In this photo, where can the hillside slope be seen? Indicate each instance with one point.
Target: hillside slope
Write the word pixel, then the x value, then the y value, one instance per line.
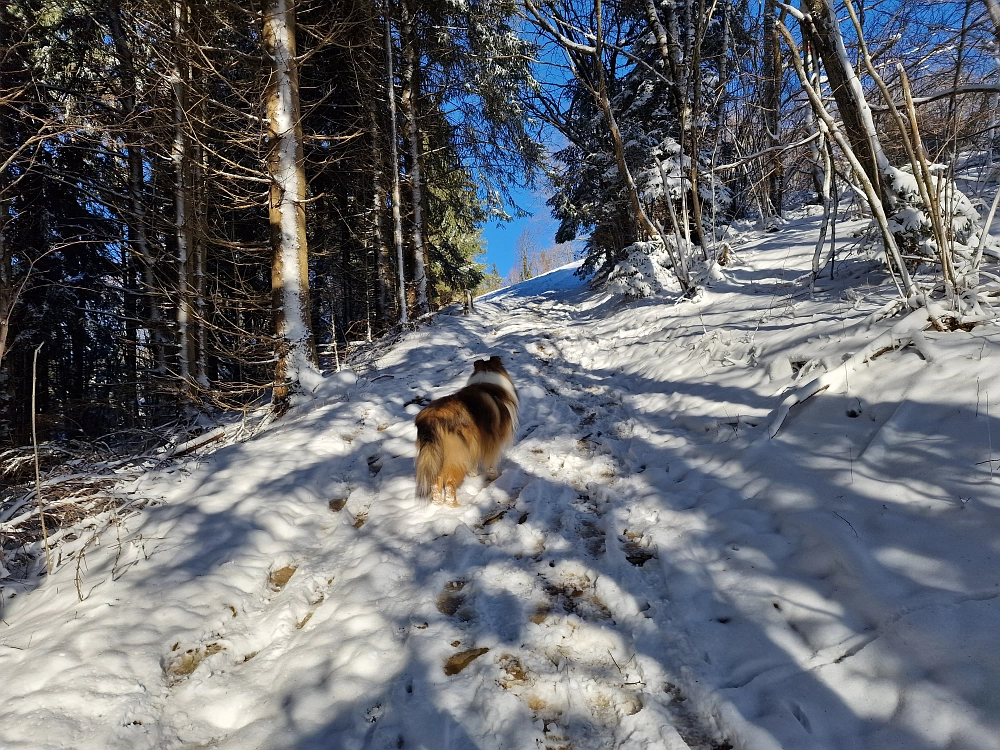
pixel 649 571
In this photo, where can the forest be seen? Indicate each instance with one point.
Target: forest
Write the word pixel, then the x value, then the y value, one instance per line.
pixel 202 203
pixel 746 494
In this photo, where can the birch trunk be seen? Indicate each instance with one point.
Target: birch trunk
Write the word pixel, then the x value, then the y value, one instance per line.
pixel 397 221
pixel 8 293
pixel 181 157
pixel 295 354
pixel 830 129
pixel 411 90
pixel 200 303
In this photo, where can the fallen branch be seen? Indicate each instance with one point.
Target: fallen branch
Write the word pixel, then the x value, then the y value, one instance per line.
pixel 204 439
pixel 899 335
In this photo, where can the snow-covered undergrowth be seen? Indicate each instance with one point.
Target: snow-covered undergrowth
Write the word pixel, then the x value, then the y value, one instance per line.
pixel 645 271
pixel 649 571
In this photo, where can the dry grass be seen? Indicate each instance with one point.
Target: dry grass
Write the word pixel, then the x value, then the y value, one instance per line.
pixel 461 660
pixel 183 663
pixel 279 578
pixel 81 500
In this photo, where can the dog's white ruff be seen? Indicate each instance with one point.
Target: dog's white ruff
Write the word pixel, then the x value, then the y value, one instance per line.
pixel 494 378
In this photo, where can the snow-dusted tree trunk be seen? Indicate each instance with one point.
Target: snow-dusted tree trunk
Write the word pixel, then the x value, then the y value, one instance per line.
pixel 684 68
pixel 8 292
pixel 830 129
pixel 771 107
pixel 859 125
pixel 295 353
pixel 698 23
pixel 993 8
pixel 411 90
pixel 183 225
pixel 604 102
pixel 199 343
pixel 397 221
pixel 670 52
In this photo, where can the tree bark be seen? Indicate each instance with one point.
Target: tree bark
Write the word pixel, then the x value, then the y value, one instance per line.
pixel 295 351
pixel 138 253
pixel 825 37
pixel 411 92
pixel 183 224
pixel 8 291
pixel 378 247
pixel 397 221
pixel 604 102
pixel 771 106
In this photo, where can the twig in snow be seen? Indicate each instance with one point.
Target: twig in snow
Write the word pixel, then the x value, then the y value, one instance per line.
pixel 900 334
pixel 989 433
pixel 79 560
pixel 847 522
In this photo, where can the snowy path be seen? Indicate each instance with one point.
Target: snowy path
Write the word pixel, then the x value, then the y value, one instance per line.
pixel 646 573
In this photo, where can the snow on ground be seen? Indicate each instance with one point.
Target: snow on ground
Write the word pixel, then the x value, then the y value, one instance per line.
pixel 647 572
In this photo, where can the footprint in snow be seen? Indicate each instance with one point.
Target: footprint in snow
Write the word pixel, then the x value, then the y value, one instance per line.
pixel 451 599
pixel 637 547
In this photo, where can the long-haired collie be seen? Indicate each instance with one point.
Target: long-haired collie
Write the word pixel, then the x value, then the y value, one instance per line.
pixel 457 433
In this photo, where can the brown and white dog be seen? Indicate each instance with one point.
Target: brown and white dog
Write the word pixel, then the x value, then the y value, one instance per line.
pixel 457 433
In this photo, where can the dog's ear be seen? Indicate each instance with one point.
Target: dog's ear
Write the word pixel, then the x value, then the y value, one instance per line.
pixel 495 359
pixel 479 365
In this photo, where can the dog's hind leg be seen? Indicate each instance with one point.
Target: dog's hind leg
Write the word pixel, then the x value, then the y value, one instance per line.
pixel 437 493
pixel 490 464
pixel 452 475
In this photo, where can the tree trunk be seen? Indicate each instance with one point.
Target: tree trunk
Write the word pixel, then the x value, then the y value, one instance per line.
pixel 199 344
pixel 295 351
pixel 183 224
pixel 604 102
pixel 694 137
pixel 8 291
pixel 820 156
pixel 411 91
pixel 397 220
pixel 993 7
pixel 859 127
pixel 379 249
pixel 138 253
pixel 669 51
pixel 771 107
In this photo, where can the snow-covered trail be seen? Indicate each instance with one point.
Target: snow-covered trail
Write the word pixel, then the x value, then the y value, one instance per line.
pixel 647 572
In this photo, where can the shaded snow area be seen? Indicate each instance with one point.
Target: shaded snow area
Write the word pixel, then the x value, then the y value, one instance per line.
pixel 649 571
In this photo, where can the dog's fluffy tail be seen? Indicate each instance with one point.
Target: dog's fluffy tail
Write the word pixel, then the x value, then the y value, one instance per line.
pixel 430 458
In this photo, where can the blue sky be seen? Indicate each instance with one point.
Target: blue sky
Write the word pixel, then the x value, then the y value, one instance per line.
pixel 501 238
